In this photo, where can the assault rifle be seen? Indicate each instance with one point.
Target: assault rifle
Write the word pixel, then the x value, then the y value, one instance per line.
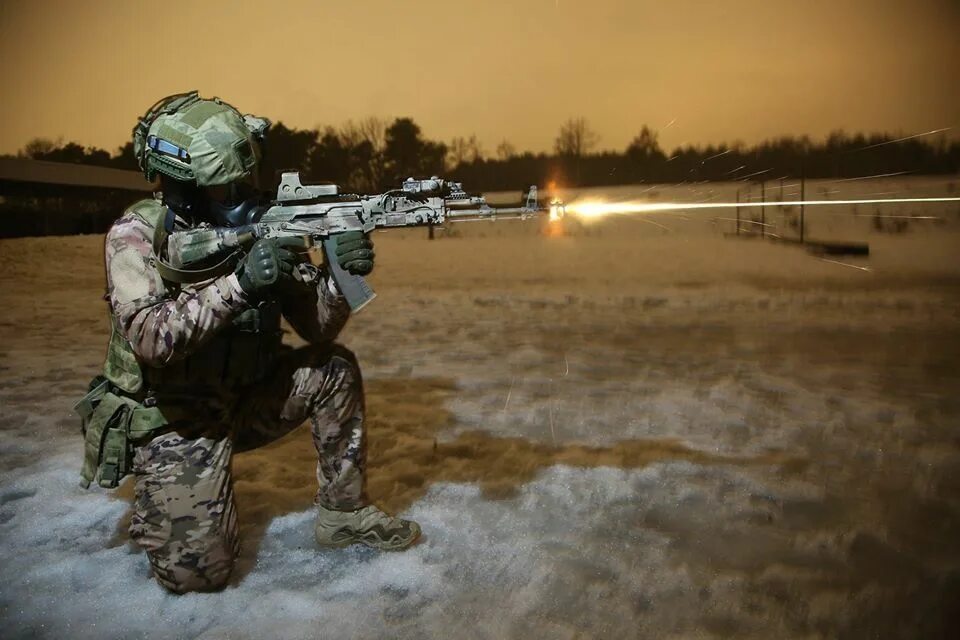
pixel 319 214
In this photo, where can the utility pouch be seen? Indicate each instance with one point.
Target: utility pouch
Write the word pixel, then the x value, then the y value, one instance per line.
pixel 84 408
pixel 111 423
pixel 116 454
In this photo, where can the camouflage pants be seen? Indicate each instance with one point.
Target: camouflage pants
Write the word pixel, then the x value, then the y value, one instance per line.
pixel 185 516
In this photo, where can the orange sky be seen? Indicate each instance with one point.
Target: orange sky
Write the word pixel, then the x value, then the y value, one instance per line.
pixel 720 71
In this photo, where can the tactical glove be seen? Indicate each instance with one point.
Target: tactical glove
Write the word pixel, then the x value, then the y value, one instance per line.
pixel 268 265
pixel 355 252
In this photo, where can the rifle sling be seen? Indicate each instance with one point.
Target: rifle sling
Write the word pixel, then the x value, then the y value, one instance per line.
pixel 173 274
pixel 191 276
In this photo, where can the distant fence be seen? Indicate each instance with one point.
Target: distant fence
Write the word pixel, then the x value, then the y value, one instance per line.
pixel 755 224
pixel 39 198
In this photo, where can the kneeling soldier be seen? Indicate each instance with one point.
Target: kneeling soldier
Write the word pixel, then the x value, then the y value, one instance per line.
pixel 195 367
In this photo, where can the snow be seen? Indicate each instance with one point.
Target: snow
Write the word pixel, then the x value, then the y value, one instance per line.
pixel 621 432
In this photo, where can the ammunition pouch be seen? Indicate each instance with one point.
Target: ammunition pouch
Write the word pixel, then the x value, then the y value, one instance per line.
pixel 111 423
pixel 237 356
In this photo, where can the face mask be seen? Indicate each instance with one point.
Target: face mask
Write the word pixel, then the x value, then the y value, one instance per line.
pixel 234 205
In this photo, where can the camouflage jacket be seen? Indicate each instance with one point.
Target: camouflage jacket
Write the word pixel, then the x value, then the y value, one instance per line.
pixel 165 323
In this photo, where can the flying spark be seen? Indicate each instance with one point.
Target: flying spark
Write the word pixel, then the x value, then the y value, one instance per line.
pixel 657 224
pixel 916 135
pixel 750 175
pixel 722 153
pixel 876 175
pixel 845 264
pixel 761 224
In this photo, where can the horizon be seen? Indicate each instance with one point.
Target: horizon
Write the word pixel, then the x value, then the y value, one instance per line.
pixel 949 134
pixel 790 71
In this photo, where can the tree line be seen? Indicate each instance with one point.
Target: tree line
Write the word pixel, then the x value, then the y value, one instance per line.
pixel 374 154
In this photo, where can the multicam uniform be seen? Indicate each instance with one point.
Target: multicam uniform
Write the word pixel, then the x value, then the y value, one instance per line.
pixel 198 349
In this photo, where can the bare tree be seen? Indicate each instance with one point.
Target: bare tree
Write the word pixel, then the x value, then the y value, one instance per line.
pixel 456 153
pixel 368 140
pixel 463 150
pixel 372 130
pixel 505 150
pixel 349 133
pixel 476 149
pixel 39 147
pixel 576 138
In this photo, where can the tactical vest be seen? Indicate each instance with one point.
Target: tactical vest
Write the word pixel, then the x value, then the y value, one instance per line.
pixel 131 401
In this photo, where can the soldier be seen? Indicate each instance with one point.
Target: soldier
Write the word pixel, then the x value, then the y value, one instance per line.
pixel 195 367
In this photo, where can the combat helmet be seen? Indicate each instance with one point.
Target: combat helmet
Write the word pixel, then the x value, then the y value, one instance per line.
pixel 198 141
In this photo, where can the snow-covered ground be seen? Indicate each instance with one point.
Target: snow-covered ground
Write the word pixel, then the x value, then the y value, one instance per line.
pixel 624 431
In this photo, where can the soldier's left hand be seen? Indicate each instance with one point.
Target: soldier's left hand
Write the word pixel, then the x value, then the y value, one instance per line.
pixel 355 252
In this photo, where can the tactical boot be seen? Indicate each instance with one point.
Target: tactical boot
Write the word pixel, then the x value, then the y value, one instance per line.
pixel 368 526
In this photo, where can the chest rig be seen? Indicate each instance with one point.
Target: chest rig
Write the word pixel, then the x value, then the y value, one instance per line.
pixel 131 401
pixel 237 355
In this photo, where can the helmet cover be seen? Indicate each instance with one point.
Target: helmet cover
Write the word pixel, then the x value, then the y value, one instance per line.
pixel 199 141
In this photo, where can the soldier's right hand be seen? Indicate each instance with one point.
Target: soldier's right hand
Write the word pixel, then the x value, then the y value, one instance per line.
pixel 269 264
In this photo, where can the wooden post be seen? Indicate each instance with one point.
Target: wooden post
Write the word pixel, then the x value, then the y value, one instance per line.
pixel 763 208
pixel 803 197
pixel 430 231
pixel 738 211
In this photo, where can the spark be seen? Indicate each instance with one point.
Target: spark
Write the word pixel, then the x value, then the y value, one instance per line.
pixel 673 213
pixel 722 153
pixel 670 124
pixel 916 135
pixel 743 166
pixel 755 173
pixel 844 264
pixel 883 193
pixel 762 224
pixel 876 175
pixel 596 208
pixel 877 215
pixel 748 197
pixel 664 227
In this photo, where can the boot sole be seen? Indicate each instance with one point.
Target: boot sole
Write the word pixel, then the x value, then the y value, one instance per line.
pixel 347 537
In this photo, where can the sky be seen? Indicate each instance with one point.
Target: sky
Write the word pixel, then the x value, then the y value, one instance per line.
pixel 696 71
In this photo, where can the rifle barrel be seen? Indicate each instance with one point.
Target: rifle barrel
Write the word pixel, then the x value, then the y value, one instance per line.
pixel 491 213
